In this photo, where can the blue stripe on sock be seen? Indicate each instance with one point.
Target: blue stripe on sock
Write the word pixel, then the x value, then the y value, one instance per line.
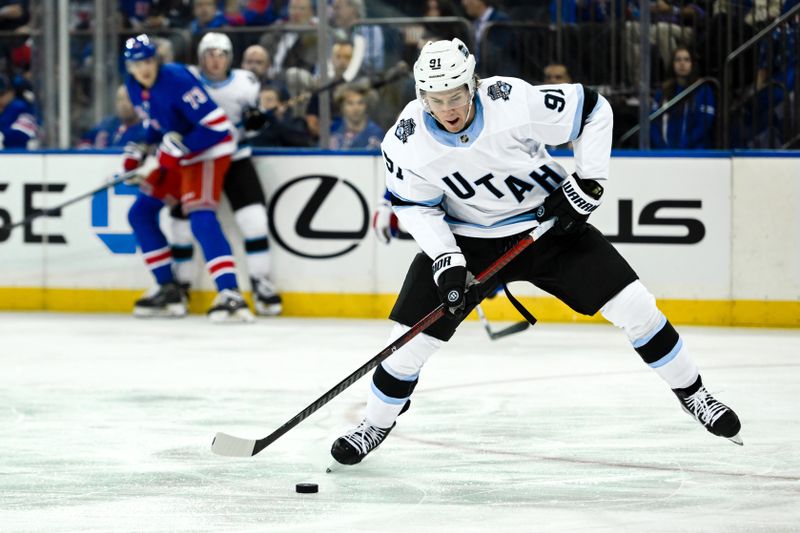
pixel 387 399
pixel 638 343
pixel 670 356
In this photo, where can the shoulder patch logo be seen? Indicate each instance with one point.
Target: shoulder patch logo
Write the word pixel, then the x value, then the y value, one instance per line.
pixel 405 129
pixel 499 90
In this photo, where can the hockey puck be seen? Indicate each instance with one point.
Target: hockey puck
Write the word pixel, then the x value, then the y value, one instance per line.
pixel 306 488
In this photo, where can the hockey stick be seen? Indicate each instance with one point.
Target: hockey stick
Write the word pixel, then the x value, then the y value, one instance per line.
pixel 228 445
pixel 56 210
pixel 494 335
pixel 364 82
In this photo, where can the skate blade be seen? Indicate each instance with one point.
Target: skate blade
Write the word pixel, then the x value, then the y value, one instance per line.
pixel 240 316
pixel 335 466
pixel 263 309
pixel 172 311
pixel 736 439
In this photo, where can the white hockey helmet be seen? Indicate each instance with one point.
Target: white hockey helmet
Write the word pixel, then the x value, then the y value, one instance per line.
pixel 214 41
pixel 444 65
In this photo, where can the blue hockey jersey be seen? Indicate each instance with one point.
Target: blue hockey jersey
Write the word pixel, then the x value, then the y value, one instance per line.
pixel 177 102
pixel 18 124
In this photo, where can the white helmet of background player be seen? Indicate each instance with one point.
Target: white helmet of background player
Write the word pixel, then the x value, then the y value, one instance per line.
pixel 443 66
pixel 214 41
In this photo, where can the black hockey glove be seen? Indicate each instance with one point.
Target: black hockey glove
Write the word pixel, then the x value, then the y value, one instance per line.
pixel 254 119
pixel 453 282
pixel 571 204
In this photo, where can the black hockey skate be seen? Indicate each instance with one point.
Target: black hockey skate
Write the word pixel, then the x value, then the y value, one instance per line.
pixel 229 306
pixel 715 416
pixel 167 301
pixel 351 448
pixel 266 299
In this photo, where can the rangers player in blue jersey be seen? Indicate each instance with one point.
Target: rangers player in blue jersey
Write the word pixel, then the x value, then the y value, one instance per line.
pixel 468 175
pixel 195 143
pixel 236 92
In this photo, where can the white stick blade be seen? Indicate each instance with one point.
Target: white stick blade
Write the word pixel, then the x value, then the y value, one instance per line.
pixel 231 446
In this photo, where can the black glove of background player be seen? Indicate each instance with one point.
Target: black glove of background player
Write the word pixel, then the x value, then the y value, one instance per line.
pixel 254 119
pixel 453 282
pixel 571 204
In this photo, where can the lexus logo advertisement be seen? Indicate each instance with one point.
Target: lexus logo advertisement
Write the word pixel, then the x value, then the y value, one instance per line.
pixel 323 198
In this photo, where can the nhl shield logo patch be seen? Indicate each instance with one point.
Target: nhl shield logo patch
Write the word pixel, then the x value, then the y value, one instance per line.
pixel 499 90
pixel 405 129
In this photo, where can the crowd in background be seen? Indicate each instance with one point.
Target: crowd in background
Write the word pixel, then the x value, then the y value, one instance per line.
pixel 277 40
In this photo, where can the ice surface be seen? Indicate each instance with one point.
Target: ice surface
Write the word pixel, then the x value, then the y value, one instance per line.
pixel 106 425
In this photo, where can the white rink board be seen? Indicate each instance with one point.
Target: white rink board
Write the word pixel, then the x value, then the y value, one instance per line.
pixel 348 259
pixel 766 226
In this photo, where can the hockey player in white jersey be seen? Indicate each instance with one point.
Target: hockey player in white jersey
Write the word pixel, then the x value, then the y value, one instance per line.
pixel 236 92
pixel 468 175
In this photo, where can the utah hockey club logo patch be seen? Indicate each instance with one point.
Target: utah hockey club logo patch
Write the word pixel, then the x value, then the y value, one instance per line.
pixel 499 90
pixel 405 129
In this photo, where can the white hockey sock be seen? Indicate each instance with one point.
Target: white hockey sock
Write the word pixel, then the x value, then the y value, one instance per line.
pixel 397 376
pixel 653 337
pixel 184 268
pixel 252 222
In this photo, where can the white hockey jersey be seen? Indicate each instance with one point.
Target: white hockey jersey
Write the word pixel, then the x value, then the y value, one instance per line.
pixel 487 180
pixel 236 93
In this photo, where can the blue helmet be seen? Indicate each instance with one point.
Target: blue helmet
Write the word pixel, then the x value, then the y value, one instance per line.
pixel 138 48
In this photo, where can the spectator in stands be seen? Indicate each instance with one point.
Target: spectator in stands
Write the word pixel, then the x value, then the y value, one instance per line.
pixel 577 11
pixel 117 130
pixel 346 13
pixel 355 130
pixel 498 46
pixel 256 59
pixel 13 14
pixel 775 87
pixel 250 12
pixel 671 25
pixel 164 49
pixel 294 49
pixel 19 126
pixel 341 55
pixel 170 14
pixel 556 73
pixel 414 33
pixel 206 16
pixel 134 13
pixel 690 124
pixel 282 128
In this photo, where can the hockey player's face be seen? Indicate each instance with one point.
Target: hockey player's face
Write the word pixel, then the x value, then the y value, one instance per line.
pixel 214 64
pixel 144 71
pixel 451 108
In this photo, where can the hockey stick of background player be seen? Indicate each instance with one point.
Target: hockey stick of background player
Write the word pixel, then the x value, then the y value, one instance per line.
pixel 224 444
pixel 391 75
pixel 494 335
pixel 56 210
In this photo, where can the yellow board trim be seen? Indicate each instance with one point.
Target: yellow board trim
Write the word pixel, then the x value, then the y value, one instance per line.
pixel 698 312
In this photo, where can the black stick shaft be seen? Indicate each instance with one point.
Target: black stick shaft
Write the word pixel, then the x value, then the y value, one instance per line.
pixel 415 330
pixel 55 209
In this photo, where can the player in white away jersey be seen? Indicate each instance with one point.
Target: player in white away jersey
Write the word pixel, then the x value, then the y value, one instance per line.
pixel 468 176
pixel 236 92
